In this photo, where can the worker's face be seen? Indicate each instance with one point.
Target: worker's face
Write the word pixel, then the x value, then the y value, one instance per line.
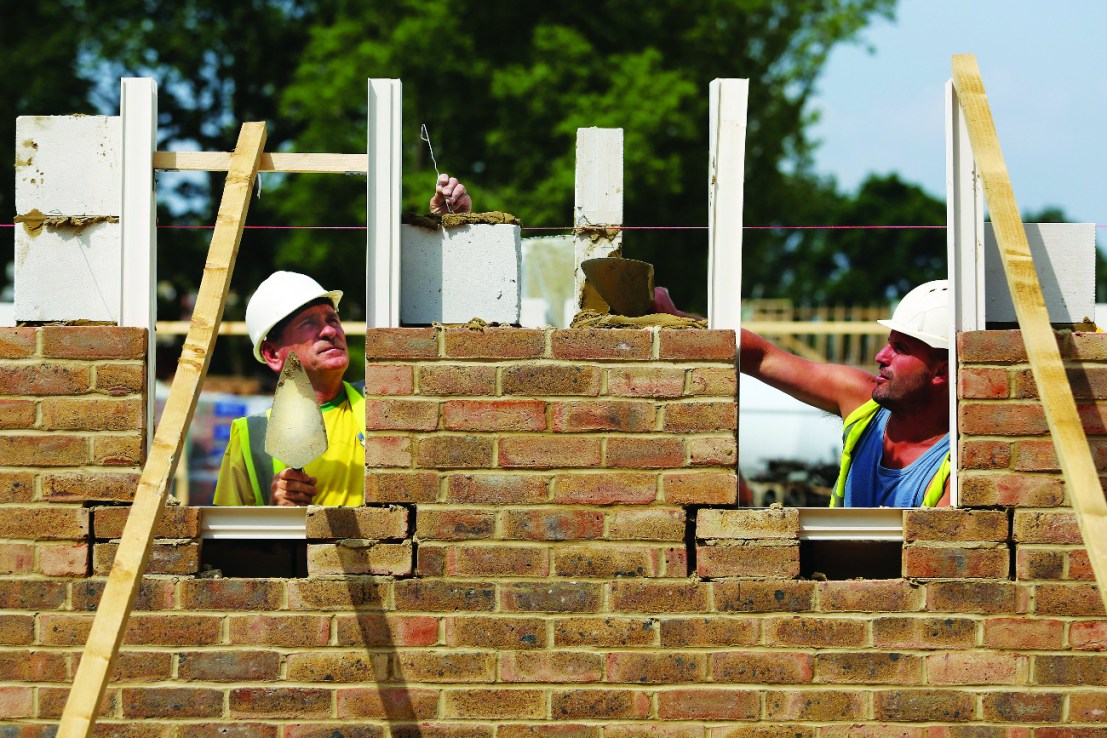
pixel 910 372
pixel 316 335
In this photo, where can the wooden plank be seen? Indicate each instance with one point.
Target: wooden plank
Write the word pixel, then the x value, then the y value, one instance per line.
pixel 79 716
pixel 729 100
pixel 598 197
pixel 1077 466
pixel 382 202
pixel 220 161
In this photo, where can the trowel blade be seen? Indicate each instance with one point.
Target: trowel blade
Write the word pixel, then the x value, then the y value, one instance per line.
pixel 624 284
pixel 296 434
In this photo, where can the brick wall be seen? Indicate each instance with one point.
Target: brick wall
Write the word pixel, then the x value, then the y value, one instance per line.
pixel 549 550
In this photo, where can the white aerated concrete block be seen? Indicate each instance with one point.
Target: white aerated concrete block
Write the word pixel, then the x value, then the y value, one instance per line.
pixel 456 274
pixel 68 166
pixel 1064 257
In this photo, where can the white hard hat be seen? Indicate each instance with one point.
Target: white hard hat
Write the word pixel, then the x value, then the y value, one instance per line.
pixel 281 295
pixel 923 313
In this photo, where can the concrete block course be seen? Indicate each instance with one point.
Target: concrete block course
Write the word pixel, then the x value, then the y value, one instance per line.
pixel 552 557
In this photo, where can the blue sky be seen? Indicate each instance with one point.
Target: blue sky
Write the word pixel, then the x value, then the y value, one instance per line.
pixel 1044 66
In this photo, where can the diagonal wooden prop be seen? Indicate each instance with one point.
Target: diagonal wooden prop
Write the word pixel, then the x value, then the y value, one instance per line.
pixel 79 716
pixel 1073 452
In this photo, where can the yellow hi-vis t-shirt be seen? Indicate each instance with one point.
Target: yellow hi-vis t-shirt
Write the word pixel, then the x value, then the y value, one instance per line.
pixel 339 473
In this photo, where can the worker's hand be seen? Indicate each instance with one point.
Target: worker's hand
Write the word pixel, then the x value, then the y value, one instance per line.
pixel 449 190
pixel 663 303
pixel 291 487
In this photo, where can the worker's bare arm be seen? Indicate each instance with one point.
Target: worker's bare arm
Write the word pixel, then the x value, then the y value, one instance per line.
pixel 834 388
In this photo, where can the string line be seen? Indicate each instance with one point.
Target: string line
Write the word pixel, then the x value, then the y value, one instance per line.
pixel 570 228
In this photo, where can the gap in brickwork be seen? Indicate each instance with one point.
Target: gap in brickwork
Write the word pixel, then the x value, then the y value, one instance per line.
pixel 255 559
pixel 840 560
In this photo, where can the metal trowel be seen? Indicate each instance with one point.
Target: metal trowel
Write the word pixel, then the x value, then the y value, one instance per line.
pixel 626 285
pixel 296 434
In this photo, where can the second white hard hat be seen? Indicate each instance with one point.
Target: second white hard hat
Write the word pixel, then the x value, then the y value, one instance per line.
pixel 281 295
pixel 923 313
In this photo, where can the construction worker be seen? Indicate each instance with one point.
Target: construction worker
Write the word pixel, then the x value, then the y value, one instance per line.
pixel 293 312
pixel 896 428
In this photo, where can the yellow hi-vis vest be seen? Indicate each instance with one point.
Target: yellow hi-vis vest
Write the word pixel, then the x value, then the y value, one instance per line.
pixel 855 424
pixel 260 465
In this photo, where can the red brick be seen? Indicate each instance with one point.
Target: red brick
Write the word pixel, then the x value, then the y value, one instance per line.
pixel 359 556
pixel 550 596
pixel 175 557
pixel 400 486
pixel 551 452
pixel 473 667
pixel 389 379
pixel 1073 600
pixel 231 594
pixel 697 345
pixel 438 596
pixel 401 343
pixel 44 524
pixel 974 454
pixel 497 489
pixel 700 488
pixel 416 415
pixel 713 451
pixel 1001 419
pixel 1085 671
pixel 387 451
pixel 647 381
pixel 162 629
pixel 977 667
pixel 119 450
pixel 892 595
pixel 552 524
pixel 229 666
pixel 984 383
pixel 44 379
pixel 608 488
pixel 497 561
pixel 1088 382
pixel 924 705
pixel 600 415
pixel 37 666
pixel 16 486
pixel 1023 707
pixel 507 633
pixel 495 343
pixel 1088 636
pixel 1032 526
pixel 714 381
pixel 949 524
pixel 606 561
pixel 171 702
pixel 993 347
pixel 314 730
pixel 17 414
pixel 120 379
pixel 280 702
pixel 654 597
pixel 653 524
pixel 44 450
pixel 551 379
pixel 749 559
pixel 175 521
pixel 868 667
pixel 494 703
pixel 375 630
pixel 1037 563
pixel 817 705
pixel 79 486
pixel 766 596
pixel 454 524
pixel 656 668
pixel 17 558
pixel 1023 634
pixel 717 703
pixel 392 704
pixel 93 342
pixel 599 704
pixel 337 666
pixel 1012 490
pixel 378 523
pixel 700 417
pixel 51 703
pixel 17 343
pixel 551 666
pixel 1034 456
pixel 344 594
pixel 924 633
pixel 17 630
pixel 749 524
pixel 957 562
pixel 1087 707
pixel 63 559
pixel 602 344
pixel 284 631
pixel 977 597
pixel 605 632
pixel 548 730
pixel 455 379
pixel 97 414
pixel 815 632
pixel 494 415
pixel 154 593
pixel 454 452
pixel 645 453
pixel 709 632
pixel 755 667
pixel 1079 565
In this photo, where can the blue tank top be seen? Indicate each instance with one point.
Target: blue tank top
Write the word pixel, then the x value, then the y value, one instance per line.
pixel 870 484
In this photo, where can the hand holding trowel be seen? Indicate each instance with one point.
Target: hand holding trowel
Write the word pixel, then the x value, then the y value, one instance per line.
pixel 296 434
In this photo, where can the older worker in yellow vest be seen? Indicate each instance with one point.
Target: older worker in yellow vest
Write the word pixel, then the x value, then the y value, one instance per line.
pixel 896 422
pixel 293 312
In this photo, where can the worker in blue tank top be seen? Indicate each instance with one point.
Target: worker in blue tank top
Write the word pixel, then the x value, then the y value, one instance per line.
pixel 896 422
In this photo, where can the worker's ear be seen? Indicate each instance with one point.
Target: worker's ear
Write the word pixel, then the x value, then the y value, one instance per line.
pixel 271 355
pixel 941 372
